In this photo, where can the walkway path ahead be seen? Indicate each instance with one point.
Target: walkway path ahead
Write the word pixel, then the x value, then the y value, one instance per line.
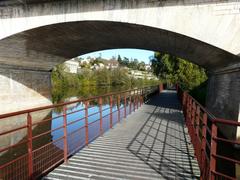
pixel 151 143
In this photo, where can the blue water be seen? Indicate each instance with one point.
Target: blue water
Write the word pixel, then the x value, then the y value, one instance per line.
pixel 80 115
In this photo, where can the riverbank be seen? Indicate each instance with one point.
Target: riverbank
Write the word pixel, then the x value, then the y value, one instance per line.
pixel 92 83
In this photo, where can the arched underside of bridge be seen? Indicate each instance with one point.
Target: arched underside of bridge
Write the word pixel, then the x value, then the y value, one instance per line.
pixel 27 59
pixel 44 47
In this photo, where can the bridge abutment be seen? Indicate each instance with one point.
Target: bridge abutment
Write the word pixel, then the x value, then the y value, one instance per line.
pixel 23 89
pixel 223 98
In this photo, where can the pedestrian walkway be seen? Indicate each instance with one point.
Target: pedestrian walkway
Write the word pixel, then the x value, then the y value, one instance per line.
pixel 151 143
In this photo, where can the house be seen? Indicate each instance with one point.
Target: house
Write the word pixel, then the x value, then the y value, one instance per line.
pixel 72 66
pixel 142 75
pixel 147 67
pixel 97 66
pixel 111 64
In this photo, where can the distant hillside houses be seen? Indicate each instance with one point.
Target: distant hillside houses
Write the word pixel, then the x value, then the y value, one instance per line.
pixel 75 66
pixel 142 75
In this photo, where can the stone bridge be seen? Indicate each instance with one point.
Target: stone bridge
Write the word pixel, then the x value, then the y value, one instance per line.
pixel 37 35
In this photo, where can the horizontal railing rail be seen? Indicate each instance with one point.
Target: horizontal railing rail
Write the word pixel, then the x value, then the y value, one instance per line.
pixel 203 128
pixel 63 134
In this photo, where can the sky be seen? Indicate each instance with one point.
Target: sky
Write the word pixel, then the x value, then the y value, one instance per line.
pixel 141 55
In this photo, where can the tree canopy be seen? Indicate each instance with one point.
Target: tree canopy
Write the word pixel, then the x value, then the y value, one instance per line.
pixel 171 69
pixel 131 63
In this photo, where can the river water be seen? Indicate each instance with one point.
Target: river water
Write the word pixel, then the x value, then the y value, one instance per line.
pixel 53 126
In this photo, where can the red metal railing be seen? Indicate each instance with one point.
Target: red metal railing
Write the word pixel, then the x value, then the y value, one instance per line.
pixel 208 140
pixel 37 152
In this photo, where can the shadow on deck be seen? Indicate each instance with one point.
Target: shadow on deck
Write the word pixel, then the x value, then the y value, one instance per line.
pixel 162 142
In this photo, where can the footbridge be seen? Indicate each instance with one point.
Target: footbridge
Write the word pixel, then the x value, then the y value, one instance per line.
pixel 152 143
pixel 146 133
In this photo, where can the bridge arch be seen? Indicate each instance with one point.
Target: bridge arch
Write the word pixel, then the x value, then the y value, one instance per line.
pixel 214 22
pixel 44 47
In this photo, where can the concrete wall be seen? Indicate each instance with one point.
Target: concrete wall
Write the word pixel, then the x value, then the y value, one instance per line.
pixel 223 98
pixel 23 89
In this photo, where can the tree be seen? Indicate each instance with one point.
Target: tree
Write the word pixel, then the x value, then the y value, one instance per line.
pixel 133 64
pixel 125 62
pixel 103 77
pixel 119 59
pixel 119 76
pixel 171 69
pixel 141 66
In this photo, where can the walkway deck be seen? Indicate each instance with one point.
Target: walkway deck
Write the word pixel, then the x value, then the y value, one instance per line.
pixel 151 143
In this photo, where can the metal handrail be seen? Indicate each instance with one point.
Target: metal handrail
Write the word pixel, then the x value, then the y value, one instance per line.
pixel 209 126
pixel 66 103
pixel 39 160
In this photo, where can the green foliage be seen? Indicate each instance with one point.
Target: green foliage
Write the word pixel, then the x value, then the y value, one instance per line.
pixel 141 66
pixel 119 59
pixel 120 77
pixel 63 81
pixel 133 63
pixel 96 61
pixel 103 77
pixel 171 69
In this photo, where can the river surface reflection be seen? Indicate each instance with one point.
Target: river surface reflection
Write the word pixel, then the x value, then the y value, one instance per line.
pixel 76 134
pixel 94 116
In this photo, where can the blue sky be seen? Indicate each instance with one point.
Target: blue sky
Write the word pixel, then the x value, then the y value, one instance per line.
pixel 141 55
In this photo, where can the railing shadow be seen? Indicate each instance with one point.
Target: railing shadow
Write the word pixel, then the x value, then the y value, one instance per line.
pixel 162 142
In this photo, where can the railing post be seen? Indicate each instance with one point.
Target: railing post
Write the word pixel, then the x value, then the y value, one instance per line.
pixel 100 114
pixel 184 102
pixel 203 145
pixel 65 144
pixel 160 88
pixel 190 111
pixel 198 149
pixel 30 149
pixel 197 119
pixel 118 106
pixel 125 105
pixel 137 99
pixel 213 150
pixel 130 103
pixel 111 103
pixel 187 110
pixel 193 116
pixel 184 98
pixel 86 123
pixel 134 100
pixel 143 94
